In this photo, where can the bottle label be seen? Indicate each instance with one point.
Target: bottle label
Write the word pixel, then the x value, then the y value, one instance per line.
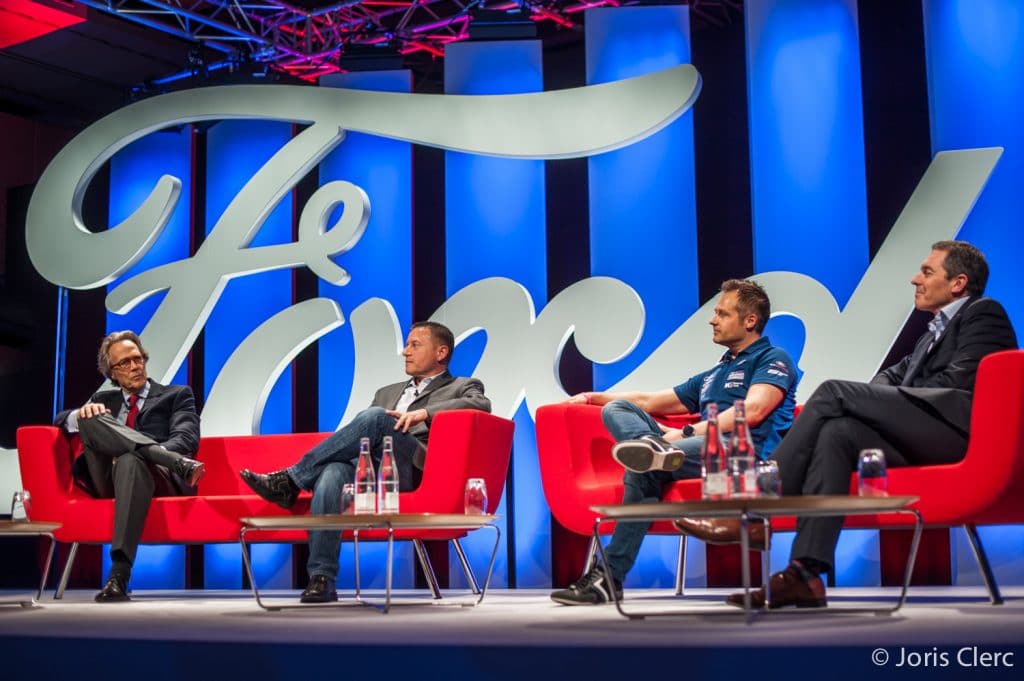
pixel 366 503
pixel 389 503
pixel 716 485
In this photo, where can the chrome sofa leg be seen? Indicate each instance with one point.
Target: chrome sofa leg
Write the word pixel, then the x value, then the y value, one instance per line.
pixel 466 569
pixel 66 574
pixel 983 564
pixel 591 556
pixel 428 567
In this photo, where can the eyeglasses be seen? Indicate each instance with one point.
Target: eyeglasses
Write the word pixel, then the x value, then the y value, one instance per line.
pixel 129 362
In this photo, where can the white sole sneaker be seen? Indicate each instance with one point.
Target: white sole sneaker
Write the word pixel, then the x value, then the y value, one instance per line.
pixel 642 456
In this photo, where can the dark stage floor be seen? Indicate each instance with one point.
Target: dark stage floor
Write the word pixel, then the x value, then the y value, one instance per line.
pixel 514 634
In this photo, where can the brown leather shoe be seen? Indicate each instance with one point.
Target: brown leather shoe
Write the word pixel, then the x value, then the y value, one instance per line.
pixel 788 588
pixel 722 531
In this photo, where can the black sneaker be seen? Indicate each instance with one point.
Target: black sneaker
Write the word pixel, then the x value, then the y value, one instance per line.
pixel 592 588
pixel 649 453
pixel 320 590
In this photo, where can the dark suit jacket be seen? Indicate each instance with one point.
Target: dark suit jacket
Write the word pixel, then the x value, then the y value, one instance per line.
pixel 943 379
pixel 444 393
pixel 168 416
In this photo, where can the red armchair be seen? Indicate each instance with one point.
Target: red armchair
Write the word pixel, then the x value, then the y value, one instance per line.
pixel 578 472
pixel 985 487
pixel 463 444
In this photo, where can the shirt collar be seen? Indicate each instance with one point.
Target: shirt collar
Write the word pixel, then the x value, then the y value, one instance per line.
pixel 756 345
pixel 143 394
pixel 940 321
pixel 424 382
pixel 952 308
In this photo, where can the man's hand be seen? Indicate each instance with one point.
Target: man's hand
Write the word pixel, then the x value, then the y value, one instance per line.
pixel 579 398
pixel 671 434
pixel 91 409
pixel 408 419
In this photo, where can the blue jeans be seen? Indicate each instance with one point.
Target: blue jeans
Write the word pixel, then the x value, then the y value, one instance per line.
pixel 626 421
pixel 331 465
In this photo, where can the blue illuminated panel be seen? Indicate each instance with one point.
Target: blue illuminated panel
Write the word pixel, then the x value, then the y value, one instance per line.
pixel 134 172
pixel 643 211
pixel 236 150
pixel 495 226
pixel 381 263
pixel 975 62
pixel 807 141
pixel 808 184
pixel 381 267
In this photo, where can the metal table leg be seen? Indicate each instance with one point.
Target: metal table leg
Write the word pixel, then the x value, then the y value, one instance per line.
pixel 748 611
pixel 247 564
pixel 385 607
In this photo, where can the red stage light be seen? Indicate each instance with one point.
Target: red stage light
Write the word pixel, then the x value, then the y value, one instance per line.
pixel 22 20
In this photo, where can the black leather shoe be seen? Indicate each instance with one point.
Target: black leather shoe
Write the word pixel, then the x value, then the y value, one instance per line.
pixel 114 591
pixel 722 531
pixel 190 470
pixel 276 487
pixel 320 590
pixel 789 587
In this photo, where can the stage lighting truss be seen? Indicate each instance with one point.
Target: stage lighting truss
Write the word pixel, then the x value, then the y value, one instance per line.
pixel 306 37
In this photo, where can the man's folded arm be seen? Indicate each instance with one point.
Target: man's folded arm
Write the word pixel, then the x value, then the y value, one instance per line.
pixel 894 374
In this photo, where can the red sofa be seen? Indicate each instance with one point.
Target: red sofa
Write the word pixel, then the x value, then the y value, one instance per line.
pixel 463 444
pixel 986 487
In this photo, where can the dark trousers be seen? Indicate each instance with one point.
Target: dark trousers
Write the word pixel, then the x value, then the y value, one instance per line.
pixel 131 467
pixel 842 418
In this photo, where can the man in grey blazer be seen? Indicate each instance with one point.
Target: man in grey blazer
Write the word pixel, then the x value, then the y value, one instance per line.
pixel 402 410
pixel 918 412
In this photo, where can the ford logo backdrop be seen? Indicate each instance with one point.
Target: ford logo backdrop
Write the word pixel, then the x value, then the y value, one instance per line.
pixel 637 317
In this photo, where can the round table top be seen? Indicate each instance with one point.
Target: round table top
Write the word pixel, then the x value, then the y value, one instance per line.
pixel 405 521
pixel 838 504
pixel 23 527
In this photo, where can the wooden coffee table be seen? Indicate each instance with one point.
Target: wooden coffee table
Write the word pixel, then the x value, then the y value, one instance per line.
pixel 358 523
pixel 10 528
pixel 762 510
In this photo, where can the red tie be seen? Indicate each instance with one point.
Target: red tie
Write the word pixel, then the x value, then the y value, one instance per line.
pixel 133 410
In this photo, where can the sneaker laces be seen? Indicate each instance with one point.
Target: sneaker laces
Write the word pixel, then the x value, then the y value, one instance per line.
pixel 588 580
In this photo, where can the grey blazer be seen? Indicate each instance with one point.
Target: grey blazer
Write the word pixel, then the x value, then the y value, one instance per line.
pixel 443 394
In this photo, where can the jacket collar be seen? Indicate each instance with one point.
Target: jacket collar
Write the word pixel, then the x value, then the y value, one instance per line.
pixel 441 380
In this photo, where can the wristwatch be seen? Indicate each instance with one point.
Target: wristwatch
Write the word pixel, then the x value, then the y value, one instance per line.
pixel 688 431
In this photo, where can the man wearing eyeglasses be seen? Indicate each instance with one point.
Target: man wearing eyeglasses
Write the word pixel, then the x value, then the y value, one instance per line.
pixel 138 440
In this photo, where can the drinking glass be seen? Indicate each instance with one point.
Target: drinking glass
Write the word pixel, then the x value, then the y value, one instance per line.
pixel 476 497
pixel 872 478
pixel 21 507
pixel 744 477
pixel 769 484
pixel 348 497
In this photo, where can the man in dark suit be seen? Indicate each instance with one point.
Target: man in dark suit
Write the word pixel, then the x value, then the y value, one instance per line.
pixel 918 412
pixel 137 443
pixel 402 410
